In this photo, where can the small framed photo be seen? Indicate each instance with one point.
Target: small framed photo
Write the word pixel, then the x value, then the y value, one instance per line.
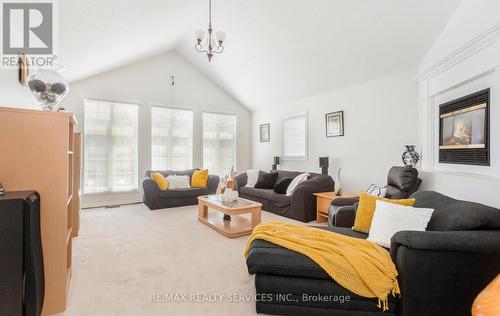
pixel 334 124
pixel 265 133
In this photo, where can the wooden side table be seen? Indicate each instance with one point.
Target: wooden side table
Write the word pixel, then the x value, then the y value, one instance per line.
pixel 323 202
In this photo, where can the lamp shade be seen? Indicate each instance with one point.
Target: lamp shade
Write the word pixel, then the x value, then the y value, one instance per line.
pixel 199 34
pixel 220 36
pixel 276 160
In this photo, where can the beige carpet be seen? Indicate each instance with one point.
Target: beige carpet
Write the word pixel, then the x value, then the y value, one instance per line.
pixel 123 256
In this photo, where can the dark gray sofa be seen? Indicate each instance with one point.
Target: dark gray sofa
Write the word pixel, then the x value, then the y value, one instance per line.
pixel 301 205
pixel 441 270
pixel 154 198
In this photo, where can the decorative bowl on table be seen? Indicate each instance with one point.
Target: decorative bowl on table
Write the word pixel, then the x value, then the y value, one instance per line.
pixel 229 196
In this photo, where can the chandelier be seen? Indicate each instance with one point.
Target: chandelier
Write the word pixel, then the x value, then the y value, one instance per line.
pixel 209 46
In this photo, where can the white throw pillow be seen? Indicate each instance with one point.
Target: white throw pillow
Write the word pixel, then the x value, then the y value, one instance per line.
pixel 390 218
pixel 295 182
pixel 377 190
pixel 252 176
pixel 178 182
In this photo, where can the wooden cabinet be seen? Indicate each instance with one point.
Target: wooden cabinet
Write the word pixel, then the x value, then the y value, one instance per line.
pixel 37 152
pixel 75 201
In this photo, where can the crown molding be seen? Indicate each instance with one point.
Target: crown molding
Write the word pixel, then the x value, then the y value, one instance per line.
pixel 474 46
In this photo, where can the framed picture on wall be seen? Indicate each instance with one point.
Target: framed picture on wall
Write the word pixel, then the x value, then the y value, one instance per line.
pixel 334 124
pixel 265 133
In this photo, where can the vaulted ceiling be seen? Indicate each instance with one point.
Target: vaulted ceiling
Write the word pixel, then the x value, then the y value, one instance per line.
pixel 276 50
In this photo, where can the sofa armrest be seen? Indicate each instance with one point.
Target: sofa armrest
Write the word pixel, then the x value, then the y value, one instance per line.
pixel 487 242
pixel 240 181
pixel 151 193
pixel 213 183
pixel 344 217
pixel 441 272
pixel 303 201
pixel 345 201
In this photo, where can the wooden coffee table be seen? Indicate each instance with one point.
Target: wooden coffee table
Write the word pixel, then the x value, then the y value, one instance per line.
pixel 239 225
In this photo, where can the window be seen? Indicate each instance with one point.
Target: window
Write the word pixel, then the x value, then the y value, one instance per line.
pixel 110 159
pixel 295 137
pixel 171 138
pixel 219 142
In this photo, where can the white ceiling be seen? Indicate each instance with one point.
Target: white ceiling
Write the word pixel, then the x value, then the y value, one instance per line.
pixel 276 50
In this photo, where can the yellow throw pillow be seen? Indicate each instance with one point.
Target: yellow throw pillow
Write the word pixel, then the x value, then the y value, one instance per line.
pixel 199 178
pixel 366 209
pixel 160 180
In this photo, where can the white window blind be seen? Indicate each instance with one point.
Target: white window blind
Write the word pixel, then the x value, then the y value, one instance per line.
pixel 219 142
pixel 171 139
pixel 111 145
pixel 295 137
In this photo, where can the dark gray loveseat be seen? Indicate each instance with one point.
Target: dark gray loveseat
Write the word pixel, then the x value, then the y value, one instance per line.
pixel 301 205
pixel 154 198
pixel 441 270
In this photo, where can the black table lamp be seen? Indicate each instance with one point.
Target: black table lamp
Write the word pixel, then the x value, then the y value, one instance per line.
pixel 276 162
pixel 324 164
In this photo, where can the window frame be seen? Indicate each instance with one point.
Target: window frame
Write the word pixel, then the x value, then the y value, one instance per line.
pixel 150 126
pixel 202 124
pixel 83 149
pixel 306 149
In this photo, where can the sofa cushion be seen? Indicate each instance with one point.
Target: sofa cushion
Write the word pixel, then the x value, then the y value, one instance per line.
pixel 266 181
pixel 252 177
pixel 286 174
pixel 281 186
pixel 366 209
pixel 391 218
pixel 180 193
pixel 167 173
pixel 295 182
pixel 279 200
pixel 160 180
pixel 268 258
pixel 450 214
pixel 199 178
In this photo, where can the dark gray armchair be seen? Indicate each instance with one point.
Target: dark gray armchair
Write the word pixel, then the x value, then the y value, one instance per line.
pixel 154 198
pixel 402 182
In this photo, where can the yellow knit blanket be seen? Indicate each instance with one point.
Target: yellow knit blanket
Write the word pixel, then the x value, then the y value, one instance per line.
pixel 358 265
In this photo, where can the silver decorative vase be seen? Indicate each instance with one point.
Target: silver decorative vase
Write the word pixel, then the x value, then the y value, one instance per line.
pixel 410 157
pixel 49 88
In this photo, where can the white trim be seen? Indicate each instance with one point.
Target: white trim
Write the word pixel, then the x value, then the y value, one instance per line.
pixel 429 107
pixel 474 46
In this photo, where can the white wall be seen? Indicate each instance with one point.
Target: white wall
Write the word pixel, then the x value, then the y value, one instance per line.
pixel 148 82
pixel 13 94
pixel 471 18
pixel 464 59
pixel 380 118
